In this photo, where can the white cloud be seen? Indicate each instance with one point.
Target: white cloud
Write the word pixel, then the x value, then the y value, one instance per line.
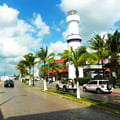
pixel 40 25
pixel 8 16
pixel 96 16
pixel 17 37
pixel 57 47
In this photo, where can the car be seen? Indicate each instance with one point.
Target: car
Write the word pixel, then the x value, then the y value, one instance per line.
pixel 8 83
pixel 66 85
pixel 99 86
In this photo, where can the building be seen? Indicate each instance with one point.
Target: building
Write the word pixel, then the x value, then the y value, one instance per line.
pixel 73 39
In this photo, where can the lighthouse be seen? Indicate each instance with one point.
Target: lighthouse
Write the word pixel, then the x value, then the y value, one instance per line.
pixel 73 36
pixel 73 39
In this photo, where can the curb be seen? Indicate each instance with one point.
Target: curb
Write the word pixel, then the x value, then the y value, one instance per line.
pixel 116 93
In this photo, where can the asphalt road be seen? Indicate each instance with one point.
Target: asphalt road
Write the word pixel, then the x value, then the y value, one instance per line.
pixel 23 103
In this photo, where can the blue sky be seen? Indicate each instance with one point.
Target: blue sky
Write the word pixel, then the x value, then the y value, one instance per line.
pixel 26 25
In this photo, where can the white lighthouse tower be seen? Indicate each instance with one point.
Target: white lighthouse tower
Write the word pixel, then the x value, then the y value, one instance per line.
pixel 73 39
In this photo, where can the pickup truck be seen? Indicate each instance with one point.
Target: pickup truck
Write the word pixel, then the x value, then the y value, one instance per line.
pixel 66 85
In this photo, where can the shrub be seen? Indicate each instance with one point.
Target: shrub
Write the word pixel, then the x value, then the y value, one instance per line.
pixel 83 80
pixel 118 83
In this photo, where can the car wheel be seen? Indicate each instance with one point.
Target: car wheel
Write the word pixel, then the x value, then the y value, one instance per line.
pixel 57 87
pixel 64 89
pixel 98 91
pixel 74 91
pixel 109 86
pixel 84 89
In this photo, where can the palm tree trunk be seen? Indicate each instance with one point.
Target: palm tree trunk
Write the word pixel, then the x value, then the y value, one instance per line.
pixel 45 84
pixel 78 90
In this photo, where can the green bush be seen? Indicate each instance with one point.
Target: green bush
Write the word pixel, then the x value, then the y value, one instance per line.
pixel 118 83
pixel 113 81
pixel 83 80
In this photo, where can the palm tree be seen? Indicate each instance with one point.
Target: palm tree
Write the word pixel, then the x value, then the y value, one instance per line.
pixel 22 68
pixel 55 67
pixel 113 43
pixel 79 57
pixel 99 44
pixel 43 56
pixel 29 61
pixel 75 57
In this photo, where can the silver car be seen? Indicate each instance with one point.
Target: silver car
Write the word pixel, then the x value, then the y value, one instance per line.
pixel 98 86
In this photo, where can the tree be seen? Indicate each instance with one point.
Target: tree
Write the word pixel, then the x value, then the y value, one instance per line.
pixel 79 57
pixel 29 61
pixel 22 68
pixel 99 44
pixel 44 56
pixel 113 44
pixel 75 57
pixel 55 68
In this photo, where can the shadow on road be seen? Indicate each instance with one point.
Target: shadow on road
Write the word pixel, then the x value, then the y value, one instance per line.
pixel 1 116
pixel 87 113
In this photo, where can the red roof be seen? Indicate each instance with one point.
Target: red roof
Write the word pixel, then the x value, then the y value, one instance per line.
pixel 107 69
pixel 59 70
pixel 60 60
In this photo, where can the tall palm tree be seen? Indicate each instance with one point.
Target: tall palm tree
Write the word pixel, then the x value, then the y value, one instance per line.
pixel 44 56
pixel 22 68
pixel 55 67
pixel 29 61
pixel 113 43
pixel 75 57
pixel 99 44
pixel 79 57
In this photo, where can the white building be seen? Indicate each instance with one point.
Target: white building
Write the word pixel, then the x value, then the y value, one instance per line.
pixel 73 39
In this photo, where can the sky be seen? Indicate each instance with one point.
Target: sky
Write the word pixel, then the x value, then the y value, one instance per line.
pixel 27 25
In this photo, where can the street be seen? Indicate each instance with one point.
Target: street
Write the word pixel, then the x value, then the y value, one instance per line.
pixel 24 103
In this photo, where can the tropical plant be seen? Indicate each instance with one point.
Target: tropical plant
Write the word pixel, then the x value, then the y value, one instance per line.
pixel 56 68
pixel 44 57
pixel 113 44
pixel 79 57
pixel 29 61
pixel 99 45
pixel 76 58
pixel 22 68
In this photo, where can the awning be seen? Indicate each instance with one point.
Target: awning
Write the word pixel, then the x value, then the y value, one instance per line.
pixel 106 70
pixel 59 70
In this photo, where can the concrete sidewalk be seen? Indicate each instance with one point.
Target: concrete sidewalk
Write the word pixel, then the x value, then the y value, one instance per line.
pixel 116 91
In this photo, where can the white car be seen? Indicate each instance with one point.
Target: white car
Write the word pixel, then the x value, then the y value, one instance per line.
pixel 98 86
pixel 67 85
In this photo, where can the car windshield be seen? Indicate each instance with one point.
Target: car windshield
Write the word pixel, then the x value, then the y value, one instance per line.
pixel 104 82
pixel 9 81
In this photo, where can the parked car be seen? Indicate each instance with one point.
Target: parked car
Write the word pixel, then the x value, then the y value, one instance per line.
pixel 67 85
pixel 98 86
pixel 9 83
